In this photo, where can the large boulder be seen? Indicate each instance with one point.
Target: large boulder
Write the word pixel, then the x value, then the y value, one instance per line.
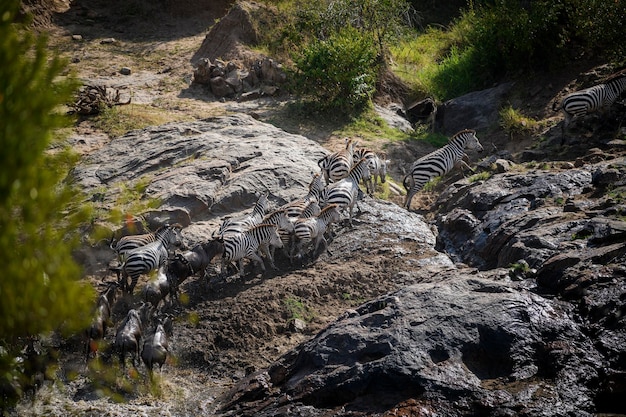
pixel 478 110
pixel 198 172
pixel 461 344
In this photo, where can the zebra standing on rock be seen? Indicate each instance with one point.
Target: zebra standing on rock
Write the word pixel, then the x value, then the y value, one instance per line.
pixel 130 242
pixel 377 166
pixel 239 225
pixel 345 192
pixel 313 228
pixel 439 162
pixel 337 165
pixel 590 100
pixel 238 246
pixel 147 258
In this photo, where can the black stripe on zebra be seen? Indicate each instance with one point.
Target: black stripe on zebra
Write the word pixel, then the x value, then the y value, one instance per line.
pixel 294 208
pixel 439 162
pixel 148 258
pixel 345 192
pixel 590 100
pixel 337 165
pixel 240 246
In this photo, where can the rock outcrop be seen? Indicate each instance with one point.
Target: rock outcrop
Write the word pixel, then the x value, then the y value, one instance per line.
pixel 460 344
pixel 533 326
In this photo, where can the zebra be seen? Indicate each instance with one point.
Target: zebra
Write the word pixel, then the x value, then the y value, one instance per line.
pixel 377 166
pixel 238 246
pixel 130 242
pixel 313 228
pixel 439 162
pixel 337 165
pixel 294 208
pixel 147 258
pixel 239 225
pixel 345 192
pixel 590 100
pixel 311 210
pixel 284 225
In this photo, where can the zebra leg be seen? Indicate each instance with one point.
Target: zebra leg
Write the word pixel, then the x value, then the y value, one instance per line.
pixel 256 259
pixel 409 197
pixel 133 283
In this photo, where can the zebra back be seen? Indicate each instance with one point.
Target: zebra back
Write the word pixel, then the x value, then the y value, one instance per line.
pixel 307 228
pixel 589 100
pixel 130 242
pixel 337 165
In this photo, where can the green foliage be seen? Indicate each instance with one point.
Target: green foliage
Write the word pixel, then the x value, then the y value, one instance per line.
pixel 380 20
pixel 481 176
pixel 39 288
pixel 338 72
pixel 513 120
pixel 298 310
pixel 493 38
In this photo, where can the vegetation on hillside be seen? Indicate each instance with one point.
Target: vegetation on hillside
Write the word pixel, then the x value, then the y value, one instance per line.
pixel 489 40
pixel 39 288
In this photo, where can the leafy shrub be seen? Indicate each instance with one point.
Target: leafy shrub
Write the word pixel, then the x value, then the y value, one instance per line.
pixel 338 72
pixel 39 288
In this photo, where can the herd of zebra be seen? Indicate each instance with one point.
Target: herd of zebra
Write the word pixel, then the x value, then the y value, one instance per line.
pixel 257 235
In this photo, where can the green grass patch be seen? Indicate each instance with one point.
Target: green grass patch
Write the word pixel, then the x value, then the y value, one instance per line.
pixel 481 176
pixel 297 309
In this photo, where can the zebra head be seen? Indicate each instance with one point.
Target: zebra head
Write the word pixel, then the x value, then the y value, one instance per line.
pixel 316 185
pixel 330 214
pixel 469 140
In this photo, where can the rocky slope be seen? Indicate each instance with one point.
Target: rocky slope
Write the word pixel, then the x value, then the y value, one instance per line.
pixel 504 297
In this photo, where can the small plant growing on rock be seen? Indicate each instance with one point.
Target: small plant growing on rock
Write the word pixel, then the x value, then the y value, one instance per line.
pixel 481 176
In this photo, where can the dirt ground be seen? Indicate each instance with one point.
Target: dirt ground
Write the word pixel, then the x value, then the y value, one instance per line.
pixel 223 329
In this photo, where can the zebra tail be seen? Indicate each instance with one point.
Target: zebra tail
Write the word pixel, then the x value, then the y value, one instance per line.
pixel 556 105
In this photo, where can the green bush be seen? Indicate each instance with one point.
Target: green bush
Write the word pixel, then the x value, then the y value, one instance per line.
pixel 497 38
pixel 39 289
pixel 338 72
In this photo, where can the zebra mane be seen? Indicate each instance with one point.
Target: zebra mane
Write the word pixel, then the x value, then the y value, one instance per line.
pixel 360 161
pixel 461 133
pixel 327 208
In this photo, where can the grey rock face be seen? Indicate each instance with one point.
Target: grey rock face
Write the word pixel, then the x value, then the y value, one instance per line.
pixel 200 171
pixel 512 216
pixel 476 110
pixel 459 344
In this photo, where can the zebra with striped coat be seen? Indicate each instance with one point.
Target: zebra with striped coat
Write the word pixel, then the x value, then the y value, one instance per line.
pixel 240 246
pixel 590 100
pixel 147 258
pixel 284 225
pixel 439 162
pixel 239 225
pixel 346 192
pixel 337 165
pixel 313 229
pixel 377 165
pixel 130 242
pixel 294 208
